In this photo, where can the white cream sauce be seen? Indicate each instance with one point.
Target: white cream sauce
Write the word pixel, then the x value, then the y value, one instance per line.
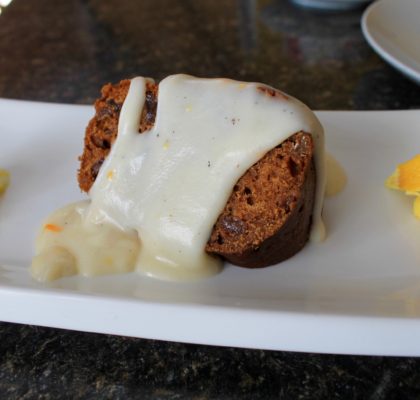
pixel 336 178
pixel 168 185
pixel 67 245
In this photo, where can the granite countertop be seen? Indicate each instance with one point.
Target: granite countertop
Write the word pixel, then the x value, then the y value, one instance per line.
pixel 63 51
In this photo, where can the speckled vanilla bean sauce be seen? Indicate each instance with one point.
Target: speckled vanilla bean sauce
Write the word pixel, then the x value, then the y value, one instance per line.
pixel 159 193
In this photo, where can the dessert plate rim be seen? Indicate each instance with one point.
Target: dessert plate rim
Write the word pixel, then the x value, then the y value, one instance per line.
pixel 357 293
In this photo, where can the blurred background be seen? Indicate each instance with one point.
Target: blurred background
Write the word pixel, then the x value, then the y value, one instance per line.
pixel 65 50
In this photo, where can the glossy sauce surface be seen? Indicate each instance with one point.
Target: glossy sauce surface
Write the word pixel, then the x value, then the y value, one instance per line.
pixel 170 183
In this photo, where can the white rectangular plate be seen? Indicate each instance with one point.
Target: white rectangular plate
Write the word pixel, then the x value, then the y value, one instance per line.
pixel 357 293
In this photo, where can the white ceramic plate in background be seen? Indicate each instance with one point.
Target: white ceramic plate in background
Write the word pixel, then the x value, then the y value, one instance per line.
pixel 392 28
pixel 357 293
pixel 335 5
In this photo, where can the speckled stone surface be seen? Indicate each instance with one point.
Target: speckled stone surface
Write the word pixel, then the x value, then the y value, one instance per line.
pixel 63 51
pixel 50 364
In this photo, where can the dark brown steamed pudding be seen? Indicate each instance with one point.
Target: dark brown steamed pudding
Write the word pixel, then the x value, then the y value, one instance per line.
pixel 268 216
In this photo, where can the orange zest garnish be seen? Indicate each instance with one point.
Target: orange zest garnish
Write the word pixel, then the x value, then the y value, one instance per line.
pixel 409 175
pixel 406 178
pixel 110 175
pixel 53 227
